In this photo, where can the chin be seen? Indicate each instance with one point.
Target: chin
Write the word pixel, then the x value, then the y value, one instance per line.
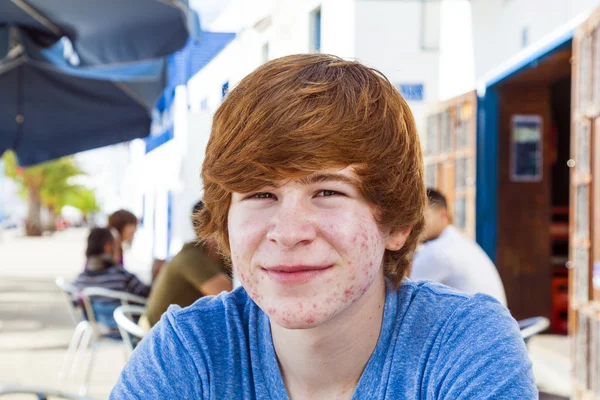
pixel 296 323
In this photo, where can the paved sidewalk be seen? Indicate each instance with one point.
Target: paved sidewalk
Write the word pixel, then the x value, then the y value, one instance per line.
pixel 35 326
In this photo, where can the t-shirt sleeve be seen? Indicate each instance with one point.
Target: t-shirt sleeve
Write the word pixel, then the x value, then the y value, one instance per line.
pixel 196 267
pixel 160 368
pixel 482 355
pixel 430 265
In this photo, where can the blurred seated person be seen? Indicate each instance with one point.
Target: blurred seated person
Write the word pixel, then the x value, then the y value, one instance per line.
pixel 101 270
pixel 123 225
pixel 196 271
pixel 449 257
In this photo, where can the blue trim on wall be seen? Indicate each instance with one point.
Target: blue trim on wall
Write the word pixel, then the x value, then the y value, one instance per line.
pixel 153 142
pixel 486 184
pixel 557 44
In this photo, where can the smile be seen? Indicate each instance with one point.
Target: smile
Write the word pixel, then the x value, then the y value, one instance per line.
pixel 296 274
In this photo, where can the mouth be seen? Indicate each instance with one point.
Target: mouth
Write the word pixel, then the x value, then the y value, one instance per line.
pixel 295 274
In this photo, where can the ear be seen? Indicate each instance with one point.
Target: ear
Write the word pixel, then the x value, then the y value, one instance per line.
pixel 396 240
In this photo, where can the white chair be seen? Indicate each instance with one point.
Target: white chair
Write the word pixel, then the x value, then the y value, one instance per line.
pixel 75 307
pixel 532 326
pixel 42 393
pixel 130 331
pixel 98 332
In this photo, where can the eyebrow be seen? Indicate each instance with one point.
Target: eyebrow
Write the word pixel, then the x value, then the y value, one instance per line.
pixel 327 177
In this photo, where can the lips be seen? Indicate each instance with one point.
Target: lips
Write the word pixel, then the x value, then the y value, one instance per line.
pixel 296 274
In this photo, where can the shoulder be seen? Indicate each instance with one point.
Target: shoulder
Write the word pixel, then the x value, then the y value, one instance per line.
pixel 466 341
pixel 432 251
pixel 440 300
pixel 438 311
pixel 211 315
pixel 190 253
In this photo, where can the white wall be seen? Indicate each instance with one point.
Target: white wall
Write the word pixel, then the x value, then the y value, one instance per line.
pixel 457 58
pixel 388 37
pixel 498 25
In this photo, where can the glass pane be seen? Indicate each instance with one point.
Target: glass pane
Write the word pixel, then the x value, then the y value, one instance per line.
pixel 581 273
pixel 583 148
pixel 432 135
pixel 582 211
pixel 585 73
pixel 462 173
pixel 446 132
pixel 597 68
pixel 462 128
pixel 581 348
pixel 431 175
pixel 460 212
pixel 595 356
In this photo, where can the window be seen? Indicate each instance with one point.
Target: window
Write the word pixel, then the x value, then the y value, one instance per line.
pixel 225 89
pixel 315 31
pixel 525 37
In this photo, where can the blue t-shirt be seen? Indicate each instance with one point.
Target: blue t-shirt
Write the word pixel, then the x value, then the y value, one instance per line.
pixel 435 343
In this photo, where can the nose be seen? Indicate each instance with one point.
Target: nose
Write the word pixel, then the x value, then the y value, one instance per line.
pixel 292 225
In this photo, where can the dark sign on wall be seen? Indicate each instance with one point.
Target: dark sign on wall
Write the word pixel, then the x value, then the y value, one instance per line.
pixel 526 148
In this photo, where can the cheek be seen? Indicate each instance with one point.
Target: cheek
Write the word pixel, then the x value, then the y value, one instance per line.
pixel 360 243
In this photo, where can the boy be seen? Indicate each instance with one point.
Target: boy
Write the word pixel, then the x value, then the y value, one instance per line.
pixel 313 186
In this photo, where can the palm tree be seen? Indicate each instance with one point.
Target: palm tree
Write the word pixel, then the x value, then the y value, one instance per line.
pixel 44 184
pixel 84 200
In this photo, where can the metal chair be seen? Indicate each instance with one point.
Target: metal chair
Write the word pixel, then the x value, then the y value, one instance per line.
pixel 42 393
pixel 131 332
pixel 75 307
pixel 99 332
pixel 532 326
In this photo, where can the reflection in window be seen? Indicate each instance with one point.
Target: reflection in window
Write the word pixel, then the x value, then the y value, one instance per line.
pixel 432 135
pixel 582 273
pixel 582 209
pixel 462 173
pixel 597 73
pixel 462 128
pixel 581 359
pixel 446 132
pixel 595 355
pixel 585 72
pixel 460 212
pixel 431 175
pixel 583 148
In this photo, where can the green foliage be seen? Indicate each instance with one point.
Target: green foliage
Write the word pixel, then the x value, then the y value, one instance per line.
pixel 83 199
pixel 52 180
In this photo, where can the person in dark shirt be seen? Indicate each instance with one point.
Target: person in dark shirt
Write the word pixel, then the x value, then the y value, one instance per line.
pixel 196 271
pixel 101 270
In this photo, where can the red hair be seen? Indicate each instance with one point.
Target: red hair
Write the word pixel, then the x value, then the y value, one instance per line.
pixel 299 114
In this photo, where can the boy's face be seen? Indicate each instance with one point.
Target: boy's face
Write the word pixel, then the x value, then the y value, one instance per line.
pixel 309 248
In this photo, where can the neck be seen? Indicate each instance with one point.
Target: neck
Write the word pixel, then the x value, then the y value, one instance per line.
pixel 327 361
pixel 438 233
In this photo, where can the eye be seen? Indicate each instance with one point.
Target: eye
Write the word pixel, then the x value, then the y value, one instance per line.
pixel 260 196
pixel 328 193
